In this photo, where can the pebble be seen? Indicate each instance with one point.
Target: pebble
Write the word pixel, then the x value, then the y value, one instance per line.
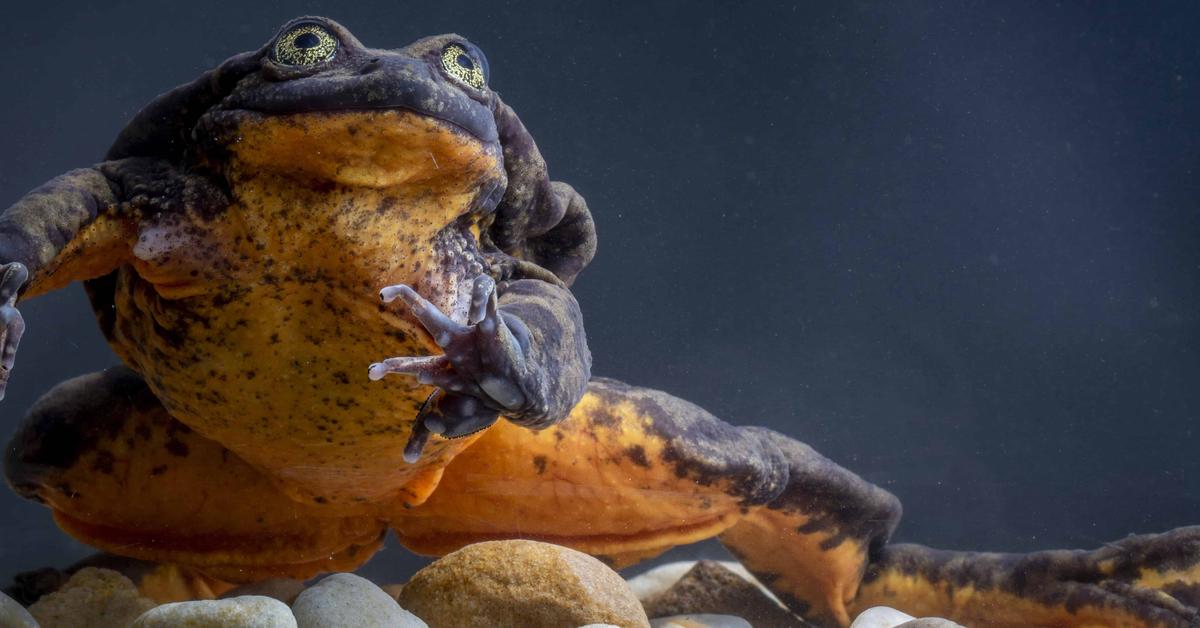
pixel 661 578
pixel 711 588
pixel 887 617
pixel 248 611
pixel 521 583
pixel 700 620
pixel 930 622
pixel 347 600
pixel 92 598
pixel 13 615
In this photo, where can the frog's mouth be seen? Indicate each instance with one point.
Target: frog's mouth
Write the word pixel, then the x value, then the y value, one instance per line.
pixel 368 148
pixel 380 81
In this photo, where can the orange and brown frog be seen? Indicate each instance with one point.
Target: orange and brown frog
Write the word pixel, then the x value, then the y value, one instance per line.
pixel 263 245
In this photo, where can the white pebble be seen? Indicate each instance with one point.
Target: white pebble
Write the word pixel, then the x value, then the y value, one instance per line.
pixel 700 620
pixel 348 600
pixel 13 615
pixel 248 611
pixel 880 617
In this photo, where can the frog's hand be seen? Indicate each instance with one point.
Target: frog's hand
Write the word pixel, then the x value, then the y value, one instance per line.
pixel 521 353
pixel 1150 580
pixel 63 231
pixel 122 475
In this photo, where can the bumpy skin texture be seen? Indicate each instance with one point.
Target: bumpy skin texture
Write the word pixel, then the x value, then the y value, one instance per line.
pixel 258 237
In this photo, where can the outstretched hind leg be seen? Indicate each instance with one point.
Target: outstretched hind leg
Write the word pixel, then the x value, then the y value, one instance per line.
pixel 1148 580
pixel 633 472
pixel 120 474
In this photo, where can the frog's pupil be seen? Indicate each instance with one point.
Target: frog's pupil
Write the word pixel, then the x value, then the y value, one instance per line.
pixel 465 61
pixel 307 40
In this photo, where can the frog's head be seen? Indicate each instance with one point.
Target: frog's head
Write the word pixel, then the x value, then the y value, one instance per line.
pixel 316 104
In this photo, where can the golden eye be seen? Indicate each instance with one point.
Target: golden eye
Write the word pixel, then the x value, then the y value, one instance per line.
pixel 461 65
pixel 306 44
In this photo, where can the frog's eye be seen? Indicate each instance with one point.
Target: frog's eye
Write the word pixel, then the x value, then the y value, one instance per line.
pixel 460 63
pixel 305 44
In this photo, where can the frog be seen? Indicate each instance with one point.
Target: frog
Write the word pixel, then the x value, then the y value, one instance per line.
pixel 338 279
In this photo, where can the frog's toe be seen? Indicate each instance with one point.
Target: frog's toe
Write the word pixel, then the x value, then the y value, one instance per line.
pixel 12 326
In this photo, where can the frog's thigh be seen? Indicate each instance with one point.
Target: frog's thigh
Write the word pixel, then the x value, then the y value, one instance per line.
pixel 620 478
pixel 633 472
pixel 122 475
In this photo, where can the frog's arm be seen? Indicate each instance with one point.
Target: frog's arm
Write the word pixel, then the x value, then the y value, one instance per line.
pixel 538 222
pixel 66 230
pixel 523 352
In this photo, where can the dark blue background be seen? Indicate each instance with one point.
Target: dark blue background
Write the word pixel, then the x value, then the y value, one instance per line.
pixel 955 247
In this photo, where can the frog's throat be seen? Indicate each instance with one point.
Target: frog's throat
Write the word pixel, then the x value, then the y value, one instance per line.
pixel 372 149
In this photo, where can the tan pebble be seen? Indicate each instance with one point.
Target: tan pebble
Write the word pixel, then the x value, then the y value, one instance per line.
pixel 92 598
pixel 521 583
pixel 248 611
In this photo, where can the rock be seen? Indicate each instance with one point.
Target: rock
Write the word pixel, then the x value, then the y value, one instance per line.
pixel 92 598
pixel 520 583
pixel 283 589
pixel 880 617
pixel 700 620
pixel 661 578
pixel 345 599
pixel 711 588
pixel 930 622
pixel 248 611
pixel 13 615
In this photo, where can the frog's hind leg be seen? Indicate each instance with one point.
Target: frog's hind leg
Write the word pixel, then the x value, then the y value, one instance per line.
pixel 120 474
pixel 632 472
pixel 1148 580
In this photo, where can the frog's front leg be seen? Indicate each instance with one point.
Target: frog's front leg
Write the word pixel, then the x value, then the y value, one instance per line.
pixel 71 228
pixel 521 353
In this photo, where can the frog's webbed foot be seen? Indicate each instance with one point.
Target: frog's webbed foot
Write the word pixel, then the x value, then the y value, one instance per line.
pixel 12 326
pixel 481 374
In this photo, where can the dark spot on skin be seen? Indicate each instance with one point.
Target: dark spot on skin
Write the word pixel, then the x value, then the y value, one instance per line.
pixel 341 377
pixel 158 470
pixel 104 462
pixel 637 454
pixel 320 500
pixel 177 448
pixel 539 463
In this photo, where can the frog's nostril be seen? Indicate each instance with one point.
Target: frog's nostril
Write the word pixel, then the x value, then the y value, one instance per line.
pixel 370 66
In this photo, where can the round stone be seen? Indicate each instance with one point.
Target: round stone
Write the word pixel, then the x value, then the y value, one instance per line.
pixel 520 583
pixel 345 600
pixel 248 611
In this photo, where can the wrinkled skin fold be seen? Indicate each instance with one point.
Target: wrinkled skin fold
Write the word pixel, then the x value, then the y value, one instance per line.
pixel 338 279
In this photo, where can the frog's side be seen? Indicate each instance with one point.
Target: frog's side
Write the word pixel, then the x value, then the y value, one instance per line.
pixel 234 246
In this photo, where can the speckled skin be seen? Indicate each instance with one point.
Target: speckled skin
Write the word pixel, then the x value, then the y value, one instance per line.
pixel 234 245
